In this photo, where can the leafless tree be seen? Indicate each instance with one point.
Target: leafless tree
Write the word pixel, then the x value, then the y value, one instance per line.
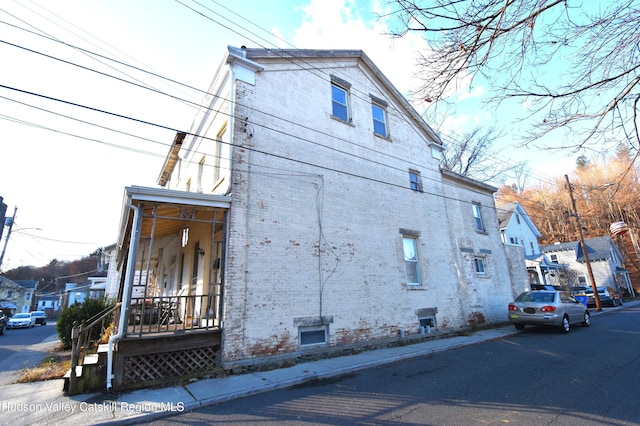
pixel 574 64
pixel 473 156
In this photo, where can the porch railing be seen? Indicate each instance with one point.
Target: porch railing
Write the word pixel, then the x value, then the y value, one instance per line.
pixel 85 338
pixel 175 314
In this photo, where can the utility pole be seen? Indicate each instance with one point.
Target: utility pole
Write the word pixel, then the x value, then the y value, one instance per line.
pixel 6 241
pixel 584 247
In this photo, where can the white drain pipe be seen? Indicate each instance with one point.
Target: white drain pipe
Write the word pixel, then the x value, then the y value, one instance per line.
pixel 126 294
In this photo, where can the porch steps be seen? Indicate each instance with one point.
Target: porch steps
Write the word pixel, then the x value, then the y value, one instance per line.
pixel 90 376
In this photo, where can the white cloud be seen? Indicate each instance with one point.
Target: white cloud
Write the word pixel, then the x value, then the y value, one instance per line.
pixel 339 24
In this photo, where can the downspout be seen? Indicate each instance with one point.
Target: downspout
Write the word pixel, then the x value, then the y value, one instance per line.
pixel 126 294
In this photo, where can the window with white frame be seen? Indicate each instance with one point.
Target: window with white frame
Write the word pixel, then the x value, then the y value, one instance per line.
pixel 477 217
pixel 340 99
pixel 554 258
pixel 415 181
pixel 411 264
pixel 379 113
pixel 480 266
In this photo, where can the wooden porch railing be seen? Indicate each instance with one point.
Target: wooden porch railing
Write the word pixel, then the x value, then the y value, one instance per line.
pixel 84 338
pixel 175 314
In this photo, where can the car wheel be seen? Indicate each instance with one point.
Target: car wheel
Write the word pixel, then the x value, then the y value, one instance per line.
pixel 519 326
pixel 586 322
pixel 566 325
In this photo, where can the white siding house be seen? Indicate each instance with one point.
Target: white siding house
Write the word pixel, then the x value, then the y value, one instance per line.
pixel 518 230
pixel 604 257
pixel 305 211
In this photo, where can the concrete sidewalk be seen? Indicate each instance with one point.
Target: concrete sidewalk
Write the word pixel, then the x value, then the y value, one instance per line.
pixel 43 403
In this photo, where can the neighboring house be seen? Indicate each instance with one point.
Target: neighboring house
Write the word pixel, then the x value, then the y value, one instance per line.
pixel 75 293
pixel 305 212
pixel 97 287
pixel 518 229
pixel 604 257
pixel 49 303
pixel 16 296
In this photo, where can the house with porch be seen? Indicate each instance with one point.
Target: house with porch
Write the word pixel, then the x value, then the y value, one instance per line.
pixel 518 230
pixel 16 296
pixel 605 260
pixel 305 212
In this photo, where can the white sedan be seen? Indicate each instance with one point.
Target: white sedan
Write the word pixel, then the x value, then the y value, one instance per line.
pixel 25 320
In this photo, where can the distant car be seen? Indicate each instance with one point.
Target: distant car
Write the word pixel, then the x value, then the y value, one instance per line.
pixel 22 320
pixel 3 322
pixel 40 316
pixel 548 308
pixel 604 296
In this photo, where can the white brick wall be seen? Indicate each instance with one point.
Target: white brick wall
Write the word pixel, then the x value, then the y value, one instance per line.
pixel 317 212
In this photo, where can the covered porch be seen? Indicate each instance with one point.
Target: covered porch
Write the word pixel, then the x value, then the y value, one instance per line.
pixel 171 257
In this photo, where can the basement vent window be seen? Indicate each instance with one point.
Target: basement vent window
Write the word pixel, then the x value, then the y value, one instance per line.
pixel 428 322
pixel 312 336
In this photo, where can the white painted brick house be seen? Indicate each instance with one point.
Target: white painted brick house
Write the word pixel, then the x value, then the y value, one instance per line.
pixel 340 229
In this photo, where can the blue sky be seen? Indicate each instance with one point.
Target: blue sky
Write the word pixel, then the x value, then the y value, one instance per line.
pixel 67 177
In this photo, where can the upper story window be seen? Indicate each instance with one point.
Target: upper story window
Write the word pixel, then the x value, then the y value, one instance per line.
pixel 477 217
pixel 340 99
pixel 554 258
pixel 415 181
pixel 379 114
pixel 518 218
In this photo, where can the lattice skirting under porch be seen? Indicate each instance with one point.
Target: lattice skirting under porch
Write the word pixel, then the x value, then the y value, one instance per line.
pixel 167 367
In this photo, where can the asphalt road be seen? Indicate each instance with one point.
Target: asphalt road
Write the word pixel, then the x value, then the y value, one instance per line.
pixel 24 347
pixel 537 377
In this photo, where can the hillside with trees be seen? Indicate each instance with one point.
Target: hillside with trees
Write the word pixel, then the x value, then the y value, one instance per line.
pixel 604 193
pixel 53 277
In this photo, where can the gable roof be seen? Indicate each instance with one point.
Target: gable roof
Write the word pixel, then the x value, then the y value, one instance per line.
pixel 598 248
pixel 506 212
pixel 300 56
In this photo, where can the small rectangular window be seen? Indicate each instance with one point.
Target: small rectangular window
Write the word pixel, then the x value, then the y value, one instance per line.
pixel 379 120
pixel 415 181
pixel 312 335
pixel 554 258
pixel 477 216
pixel 412 267
pixel 340 102
pixel 479 265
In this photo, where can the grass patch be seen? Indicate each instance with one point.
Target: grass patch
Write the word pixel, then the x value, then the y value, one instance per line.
pixel 53 366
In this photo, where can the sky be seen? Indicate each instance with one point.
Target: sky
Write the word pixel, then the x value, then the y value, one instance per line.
pixel 74 134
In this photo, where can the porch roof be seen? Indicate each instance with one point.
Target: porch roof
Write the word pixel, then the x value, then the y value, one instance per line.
pixel 170 206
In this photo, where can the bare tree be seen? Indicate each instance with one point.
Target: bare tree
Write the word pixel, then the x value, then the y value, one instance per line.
pixel 574 64
pixel 473 156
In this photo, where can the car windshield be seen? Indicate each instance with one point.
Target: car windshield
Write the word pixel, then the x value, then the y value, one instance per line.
pixel 544 297
pixel 19 316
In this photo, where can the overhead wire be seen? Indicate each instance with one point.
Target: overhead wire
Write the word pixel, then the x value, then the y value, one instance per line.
pixel 199 135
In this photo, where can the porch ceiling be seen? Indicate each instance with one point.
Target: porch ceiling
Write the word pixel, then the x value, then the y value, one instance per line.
pixel 172 218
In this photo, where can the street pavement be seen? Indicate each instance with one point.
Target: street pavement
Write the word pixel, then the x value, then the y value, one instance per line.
pixel 43 403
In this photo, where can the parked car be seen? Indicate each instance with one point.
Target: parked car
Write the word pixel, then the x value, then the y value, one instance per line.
pixel 548 308
pixel 3 322
pixel 22 320
pixel 604 296
pixel 40 316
